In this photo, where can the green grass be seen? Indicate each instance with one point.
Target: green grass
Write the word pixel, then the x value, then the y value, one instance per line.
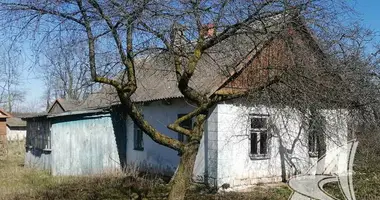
pixel 20 183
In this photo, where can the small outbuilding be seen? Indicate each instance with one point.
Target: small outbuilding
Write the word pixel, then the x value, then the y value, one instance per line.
pixel 3 128
pixel 16 129
pixel 68 141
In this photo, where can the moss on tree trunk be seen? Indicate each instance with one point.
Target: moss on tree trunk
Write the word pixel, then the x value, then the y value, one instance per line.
pixel 183 177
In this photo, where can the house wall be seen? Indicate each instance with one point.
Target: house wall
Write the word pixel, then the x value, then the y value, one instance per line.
pixel 16 133
pixel 86 145
pixel 154 156
pixel 37 159
pixel 206 162
pixel 234 165
pixel 37 145
pixel 3 133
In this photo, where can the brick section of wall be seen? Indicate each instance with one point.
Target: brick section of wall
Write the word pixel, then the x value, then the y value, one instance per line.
pixel 3 134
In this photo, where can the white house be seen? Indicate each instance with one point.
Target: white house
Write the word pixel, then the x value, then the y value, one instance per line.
pixel 243 143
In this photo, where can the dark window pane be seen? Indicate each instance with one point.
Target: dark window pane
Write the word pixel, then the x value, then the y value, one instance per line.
pixel 138 138
pixel 140 141
pixel 187 123
pixel 180 137
pixel 263 142
pixel 258 122
pixel 253 143
pixel 313 141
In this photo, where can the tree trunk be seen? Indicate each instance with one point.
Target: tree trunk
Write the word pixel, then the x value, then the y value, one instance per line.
pixel 183 177
pixel 283 166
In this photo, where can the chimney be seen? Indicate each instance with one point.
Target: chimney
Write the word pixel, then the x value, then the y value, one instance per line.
pixel 208 30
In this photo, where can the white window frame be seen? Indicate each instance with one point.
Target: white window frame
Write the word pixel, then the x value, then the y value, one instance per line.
pixel 259 133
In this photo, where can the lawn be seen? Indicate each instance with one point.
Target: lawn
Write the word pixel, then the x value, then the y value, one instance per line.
pixel 19 183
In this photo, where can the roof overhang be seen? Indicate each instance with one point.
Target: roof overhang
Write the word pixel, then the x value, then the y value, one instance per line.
pixel 82 112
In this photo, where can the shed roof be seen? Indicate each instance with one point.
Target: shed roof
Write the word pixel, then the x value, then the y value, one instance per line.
pixel 16 122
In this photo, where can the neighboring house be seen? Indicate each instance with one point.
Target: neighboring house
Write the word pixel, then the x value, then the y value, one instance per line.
pixel 62 105
pixel 16 129
pixel 3 128
pixel 243 144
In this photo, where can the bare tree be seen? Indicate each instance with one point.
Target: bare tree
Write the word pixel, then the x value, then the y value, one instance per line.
pixel 10 80
pixel 182 33
pixel 65 72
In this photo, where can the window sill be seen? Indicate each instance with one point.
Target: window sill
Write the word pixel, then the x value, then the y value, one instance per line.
pixel 138 149
pixel 259 157
pixel 313 155
pixel 47 150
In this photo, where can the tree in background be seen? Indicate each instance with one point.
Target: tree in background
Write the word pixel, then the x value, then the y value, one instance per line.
pixel 64 69
pixel 10 79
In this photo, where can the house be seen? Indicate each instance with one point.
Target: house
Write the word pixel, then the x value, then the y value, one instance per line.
pixel 3 128
pixel 16 129
pixel 243 143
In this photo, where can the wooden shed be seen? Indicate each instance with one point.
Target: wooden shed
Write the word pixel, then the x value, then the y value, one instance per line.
pixel 68 141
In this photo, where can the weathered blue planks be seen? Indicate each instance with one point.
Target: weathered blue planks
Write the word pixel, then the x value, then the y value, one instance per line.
pixel 85 145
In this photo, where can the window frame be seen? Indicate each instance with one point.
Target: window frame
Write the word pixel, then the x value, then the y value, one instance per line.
pixel 181 137
pixel 138 134
pixel 258 133
pixel 312 145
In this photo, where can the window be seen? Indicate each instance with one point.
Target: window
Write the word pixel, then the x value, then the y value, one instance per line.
pixel 315 135
pixel 313 143
pixel 188 124
pixel 258 136
pixel 138 139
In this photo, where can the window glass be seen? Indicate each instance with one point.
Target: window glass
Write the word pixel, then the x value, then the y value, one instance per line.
pixel 258 136
pixel 258 122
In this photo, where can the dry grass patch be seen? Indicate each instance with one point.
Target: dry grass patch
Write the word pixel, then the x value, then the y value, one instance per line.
pixel 19 183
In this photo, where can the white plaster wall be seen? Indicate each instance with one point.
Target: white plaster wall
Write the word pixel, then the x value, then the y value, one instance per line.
pixel 14 135
pixel 223 155
pixel 337 134
pixel 234 165
pixel 156 156
pixel 205 168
